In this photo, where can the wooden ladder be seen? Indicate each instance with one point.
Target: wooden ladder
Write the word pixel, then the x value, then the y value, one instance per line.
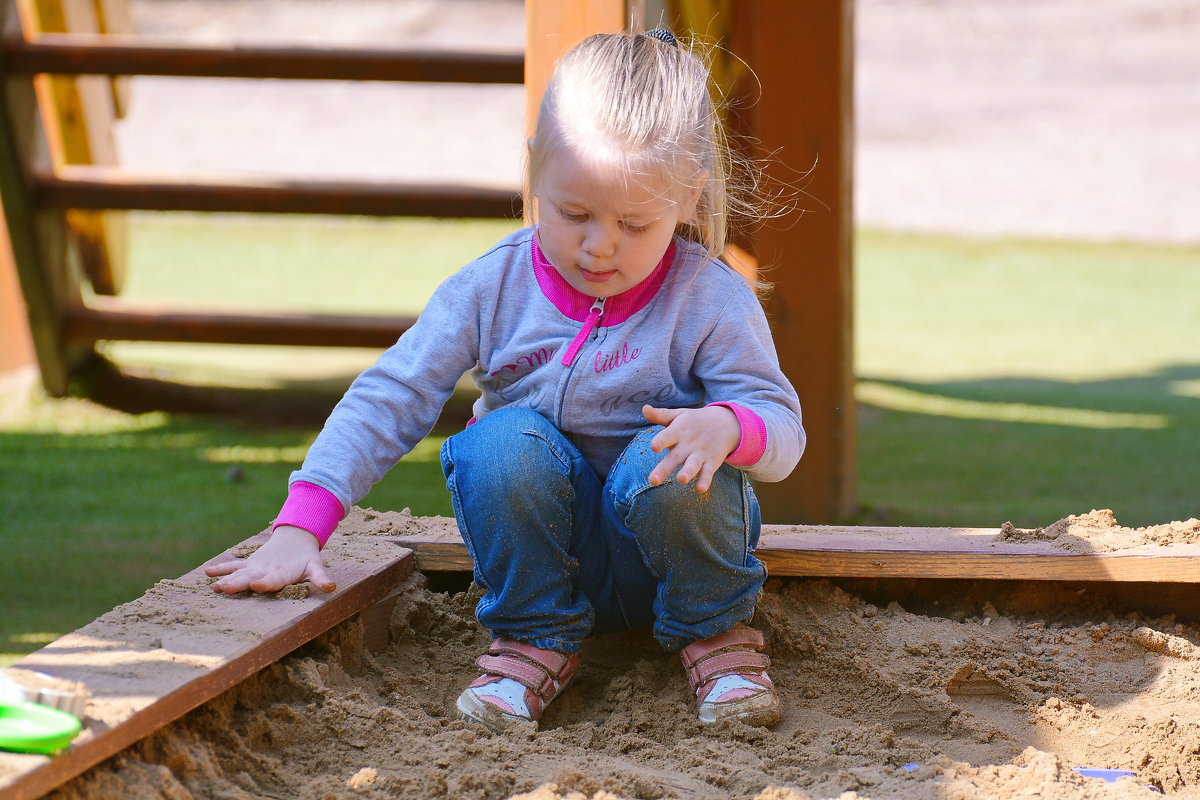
pixel 37 197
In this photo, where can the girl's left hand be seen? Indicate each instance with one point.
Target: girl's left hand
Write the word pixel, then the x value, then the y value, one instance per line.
pixel 699 440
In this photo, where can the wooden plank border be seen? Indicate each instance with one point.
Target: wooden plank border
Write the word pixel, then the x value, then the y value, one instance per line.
pixel 874 552
pixel 191 665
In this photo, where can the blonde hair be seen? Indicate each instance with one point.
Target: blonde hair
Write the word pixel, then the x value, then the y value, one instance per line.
pixel 646 108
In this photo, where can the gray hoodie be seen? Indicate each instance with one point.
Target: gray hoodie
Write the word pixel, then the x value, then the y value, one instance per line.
pixel 691 334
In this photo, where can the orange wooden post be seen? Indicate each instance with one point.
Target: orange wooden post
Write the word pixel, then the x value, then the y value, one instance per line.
pixel 35 240
pixel 79 112
pixel 802 55
pixel 16 344
pixel 553 27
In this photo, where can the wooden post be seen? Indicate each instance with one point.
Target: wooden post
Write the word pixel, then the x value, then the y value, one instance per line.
pixel 16 345
pixel 37 238
pixel 802 56
pixel 78 112
pixel 553 27
pixel 115 16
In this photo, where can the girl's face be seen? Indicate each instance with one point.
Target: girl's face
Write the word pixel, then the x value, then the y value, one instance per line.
pixel 602 231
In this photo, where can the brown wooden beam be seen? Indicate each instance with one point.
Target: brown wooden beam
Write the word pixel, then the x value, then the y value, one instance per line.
pixel 138 685
pixel 822 551
pixel 109 319
pixel 801 55
pixel 36 239
pixel 92 187
pixel 106 54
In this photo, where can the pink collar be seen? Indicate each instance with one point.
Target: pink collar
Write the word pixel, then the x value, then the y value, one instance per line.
pixel 574 304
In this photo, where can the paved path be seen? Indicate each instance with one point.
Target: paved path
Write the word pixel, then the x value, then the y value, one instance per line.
pixel 1069 118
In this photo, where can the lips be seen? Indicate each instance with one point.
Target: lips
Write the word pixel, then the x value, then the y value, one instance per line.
pixel 595 276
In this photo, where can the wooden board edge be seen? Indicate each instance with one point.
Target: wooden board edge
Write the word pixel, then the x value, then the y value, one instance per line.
pixel 78 759
pixel 1103 567
pixel 442 555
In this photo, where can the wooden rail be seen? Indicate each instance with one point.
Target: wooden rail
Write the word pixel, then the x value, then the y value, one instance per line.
pixel 108 319
pixel 107 54
pixel 92 187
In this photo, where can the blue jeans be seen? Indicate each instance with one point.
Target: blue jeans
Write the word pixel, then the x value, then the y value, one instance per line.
pixel 560 553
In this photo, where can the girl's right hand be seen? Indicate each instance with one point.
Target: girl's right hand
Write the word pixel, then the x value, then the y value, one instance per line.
pixel 291 555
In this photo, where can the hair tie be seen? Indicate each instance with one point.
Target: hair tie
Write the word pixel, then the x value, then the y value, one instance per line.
pixel 663 35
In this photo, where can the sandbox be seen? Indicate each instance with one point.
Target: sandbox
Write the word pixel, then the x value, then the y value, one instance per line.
pixel 893 688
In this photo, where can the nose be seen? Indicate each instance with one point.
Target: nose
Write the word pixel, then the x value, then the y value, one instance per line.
pixel 599 241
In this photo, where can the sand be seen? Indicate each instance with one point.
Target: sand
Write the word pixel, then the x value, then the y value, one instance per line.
pixel 1099 532
pixel 989 689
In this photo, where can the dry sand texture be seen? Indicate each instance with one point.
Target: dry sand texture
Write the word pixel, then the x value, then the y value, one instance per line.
pixel 992 689
pixel 1099 532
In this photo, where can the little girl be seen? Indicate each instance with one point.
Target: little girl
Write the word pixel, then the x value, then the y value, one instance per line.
pixel 629 391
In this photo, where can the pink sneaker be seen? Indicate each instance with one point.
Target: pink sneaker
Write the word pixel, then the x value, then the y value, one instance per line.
pixel 518 682
pixel 728 674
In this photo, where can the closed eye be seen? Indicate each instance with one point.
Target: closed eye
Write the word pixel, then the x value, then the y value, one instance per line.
pixel 631 228
pixel 571 216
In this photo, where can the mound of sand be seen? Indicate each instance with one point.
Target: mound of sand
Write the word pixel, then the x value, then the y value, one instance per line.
pixel 1099 532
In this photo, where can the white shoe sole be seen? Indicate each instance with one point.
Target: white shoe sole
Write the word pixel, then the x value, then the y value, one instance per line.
pixel 760 709
pixel 471 708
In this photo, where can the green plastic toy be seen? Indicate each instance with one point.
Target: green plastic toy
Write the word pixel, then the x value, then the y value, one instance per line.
pixel 34 728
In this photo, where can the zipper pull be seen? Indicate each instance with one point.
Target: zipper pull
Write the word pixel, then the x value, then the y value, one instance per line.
pixel 589 325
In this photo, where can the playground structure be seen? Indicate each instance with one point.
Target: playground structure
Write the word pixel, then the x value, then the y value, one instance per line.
pixel 186 665
pixel 63 204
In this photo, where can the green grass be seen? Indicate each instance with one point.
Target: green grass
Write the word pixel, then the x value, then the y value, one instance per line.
pixel 1024 380
pixel 97 506
pixel 1000 380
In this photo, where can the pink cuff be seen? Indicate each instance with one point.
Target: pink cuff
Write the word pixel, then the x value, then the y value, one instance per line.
pixel 754 436
pixel 312 508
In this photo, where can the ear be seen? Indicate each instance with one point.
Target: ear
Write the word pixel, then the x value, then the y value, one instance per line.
pixel 530 213
pixel 688 209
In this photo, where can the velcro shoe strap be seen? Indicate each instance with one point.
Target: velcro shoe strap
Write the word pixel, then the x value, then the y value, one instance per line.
pixel 532 676
pixel 552 662
pixel 731 662
pixel 536 668
pixel 739 636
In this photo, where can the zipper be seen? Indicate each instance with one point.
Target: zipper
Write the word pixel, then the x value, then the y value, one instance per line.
pixel 589 325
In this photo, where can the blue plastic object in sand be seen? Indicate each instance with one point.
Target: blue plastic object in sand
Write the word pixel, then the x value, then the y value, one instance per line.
pixel 1107 775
